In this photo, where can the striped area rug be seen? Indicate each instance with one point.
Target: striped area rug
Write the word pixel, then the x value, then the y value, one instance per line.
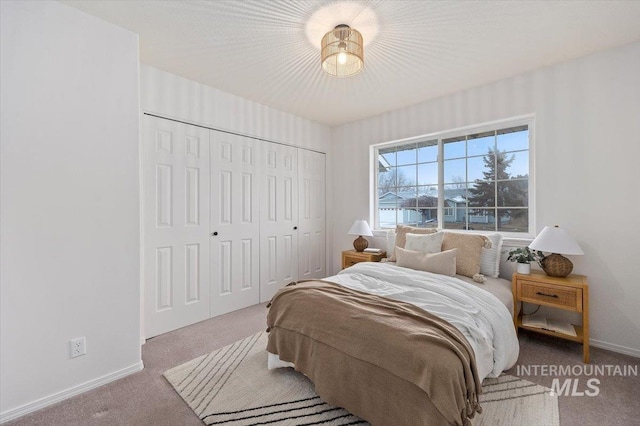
pixel 232 386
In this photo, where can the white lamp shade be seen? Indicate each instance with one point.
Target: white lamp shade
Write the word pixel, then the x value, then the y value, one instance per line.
pixel 360 227
pixel 553 239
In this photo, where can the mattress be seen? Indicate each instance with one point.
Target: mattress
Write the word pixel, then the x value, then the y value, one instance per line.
pixel 499 287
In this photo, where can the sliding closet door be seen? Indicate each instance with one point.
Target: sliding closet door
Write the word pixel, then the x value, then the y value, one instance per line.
pixel 176 224
pixel 278 217
pixel 311 213
pixel 235 223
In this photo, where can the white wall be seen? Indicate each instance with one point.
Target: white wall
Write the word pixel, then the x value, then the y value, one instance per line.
pixel 587 166
pixel 69 203
pixel 172 96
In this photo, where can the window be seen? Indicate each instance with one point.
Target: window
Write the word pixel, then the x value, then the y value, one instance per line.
pixel 477 179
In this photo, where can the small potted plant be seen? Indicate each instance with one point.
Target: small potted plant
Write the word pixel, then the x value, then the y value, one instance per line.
pixel 524 256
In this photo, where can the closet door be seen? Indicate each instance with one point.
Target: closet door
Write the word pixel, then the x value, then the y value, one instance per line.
pixel 235 223
pixel 175 224
pixel 311 213
pixel 278 218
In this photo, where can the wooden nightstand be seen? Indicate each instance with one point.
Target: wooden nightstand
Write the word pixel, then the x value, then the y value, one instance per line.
pixel 351 257
pixel 570 293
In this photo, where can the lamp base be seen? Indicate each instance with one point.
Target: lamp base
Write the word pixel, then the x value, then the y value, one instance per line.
pixel 360 243
pixel 556 265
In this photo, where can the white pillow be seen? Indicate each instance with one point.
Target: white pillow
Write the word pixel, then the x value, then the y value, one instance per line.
pixel 426 243
pixel 443 263
pixel 391 242
pixel 490 257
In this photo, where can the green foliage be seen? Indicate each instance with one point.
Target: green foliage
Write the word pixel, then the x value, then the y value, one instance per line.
pixel 510 193
pixel 524 255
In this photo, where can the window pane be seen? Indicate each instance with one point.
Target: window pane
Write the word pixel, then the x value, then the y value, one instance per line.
pixel 389 199
pixel 517 164
pixel 409 216
pixel 431 191
pixel 427 151
pixel 456 192
pixel 513 220
pixel 407 196
pixel 454 148
pixel 513 193
pixel 406 155
pixel 386 180
pixel 455 206
pixel 427 218
pixel 387 217
pixel 406 175
pixel 455 171
pixel 513 139
pixel 479 168
pixel 482 219
pixel 427 201
pixel 454 217
pixel 387 157
pixel 481 143
pixel 482 194
pixel 489 166
pixel 428 174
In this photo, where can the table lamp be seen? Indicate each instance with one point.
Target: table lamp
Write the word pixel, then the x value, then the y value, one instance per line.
pixel 360 228
pixel 557 241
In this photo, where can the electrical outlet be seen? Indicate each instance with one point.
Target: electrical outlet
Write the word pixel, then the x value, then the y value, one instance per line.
pixel 78 346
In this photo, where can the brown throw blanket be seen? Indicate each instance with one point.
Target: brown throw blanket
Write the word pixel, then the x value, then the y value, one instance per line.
pixel 388 362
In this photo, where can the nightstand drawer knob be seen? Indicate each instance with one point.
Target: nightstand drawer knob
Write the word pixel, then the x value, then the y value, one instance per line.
pixel 547 295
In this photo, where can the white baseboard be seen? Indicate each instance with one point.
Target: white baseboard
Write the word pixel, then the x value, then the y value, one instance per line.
pixel 14 413
pixel 615 348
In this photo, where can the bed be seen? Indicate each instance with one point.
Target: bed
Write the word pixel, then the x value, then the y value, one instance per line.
pixel 395 345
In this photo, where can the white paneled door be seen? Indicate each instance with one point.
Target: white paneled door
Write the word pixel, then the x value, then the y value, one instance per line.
pixel 176 223
pixel 311 215
pixel 278 217
pixel 227 221
pixel 235 223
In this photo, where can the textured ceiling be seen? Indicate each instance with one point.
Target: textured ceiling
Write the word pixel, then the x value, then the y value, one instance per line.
pixel 268 50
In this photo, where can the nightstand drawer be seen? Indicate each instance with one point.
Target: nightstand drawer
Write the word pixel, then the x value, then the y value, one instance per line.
pixel 350 261
pixel 351 257
pixel 551 295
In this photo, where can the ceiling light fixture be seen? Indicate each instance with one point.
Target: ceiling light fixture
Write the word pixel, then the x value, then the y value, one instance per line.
pixel 342 51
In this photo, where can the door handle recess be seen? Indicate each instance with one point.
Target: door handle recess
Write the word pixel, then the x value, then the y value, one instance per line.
pixel 213 234
pixel 295 227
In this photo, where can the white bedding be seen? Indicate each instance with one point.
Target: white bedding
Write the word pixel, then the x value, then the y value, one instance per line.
pixel 476 313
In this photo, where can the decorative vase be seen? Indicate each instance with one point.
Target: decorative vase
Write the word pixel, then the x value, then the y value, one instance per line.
pixel 523 268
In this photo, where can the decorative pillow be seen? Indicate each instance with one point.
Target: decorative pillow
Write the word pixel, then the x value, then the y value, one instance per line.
pixel 443 263
pixel 391 242
pixel 426 243
pixel 402 231
pixel 490 257
pixel 469 251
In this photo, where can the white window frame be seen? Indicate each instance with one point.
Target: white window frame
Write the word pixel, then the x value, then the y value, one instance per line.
pixel 528 120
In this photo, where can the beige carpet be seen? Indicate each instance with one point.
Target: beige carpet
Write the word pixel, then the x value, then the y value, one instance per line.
pixel 232 386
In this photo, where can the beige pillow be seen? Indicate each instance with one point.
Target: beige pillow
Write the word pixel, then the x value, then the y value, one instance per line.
pixel 469 251
pixel 426 243
pixel 402 230
pixel 443 263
